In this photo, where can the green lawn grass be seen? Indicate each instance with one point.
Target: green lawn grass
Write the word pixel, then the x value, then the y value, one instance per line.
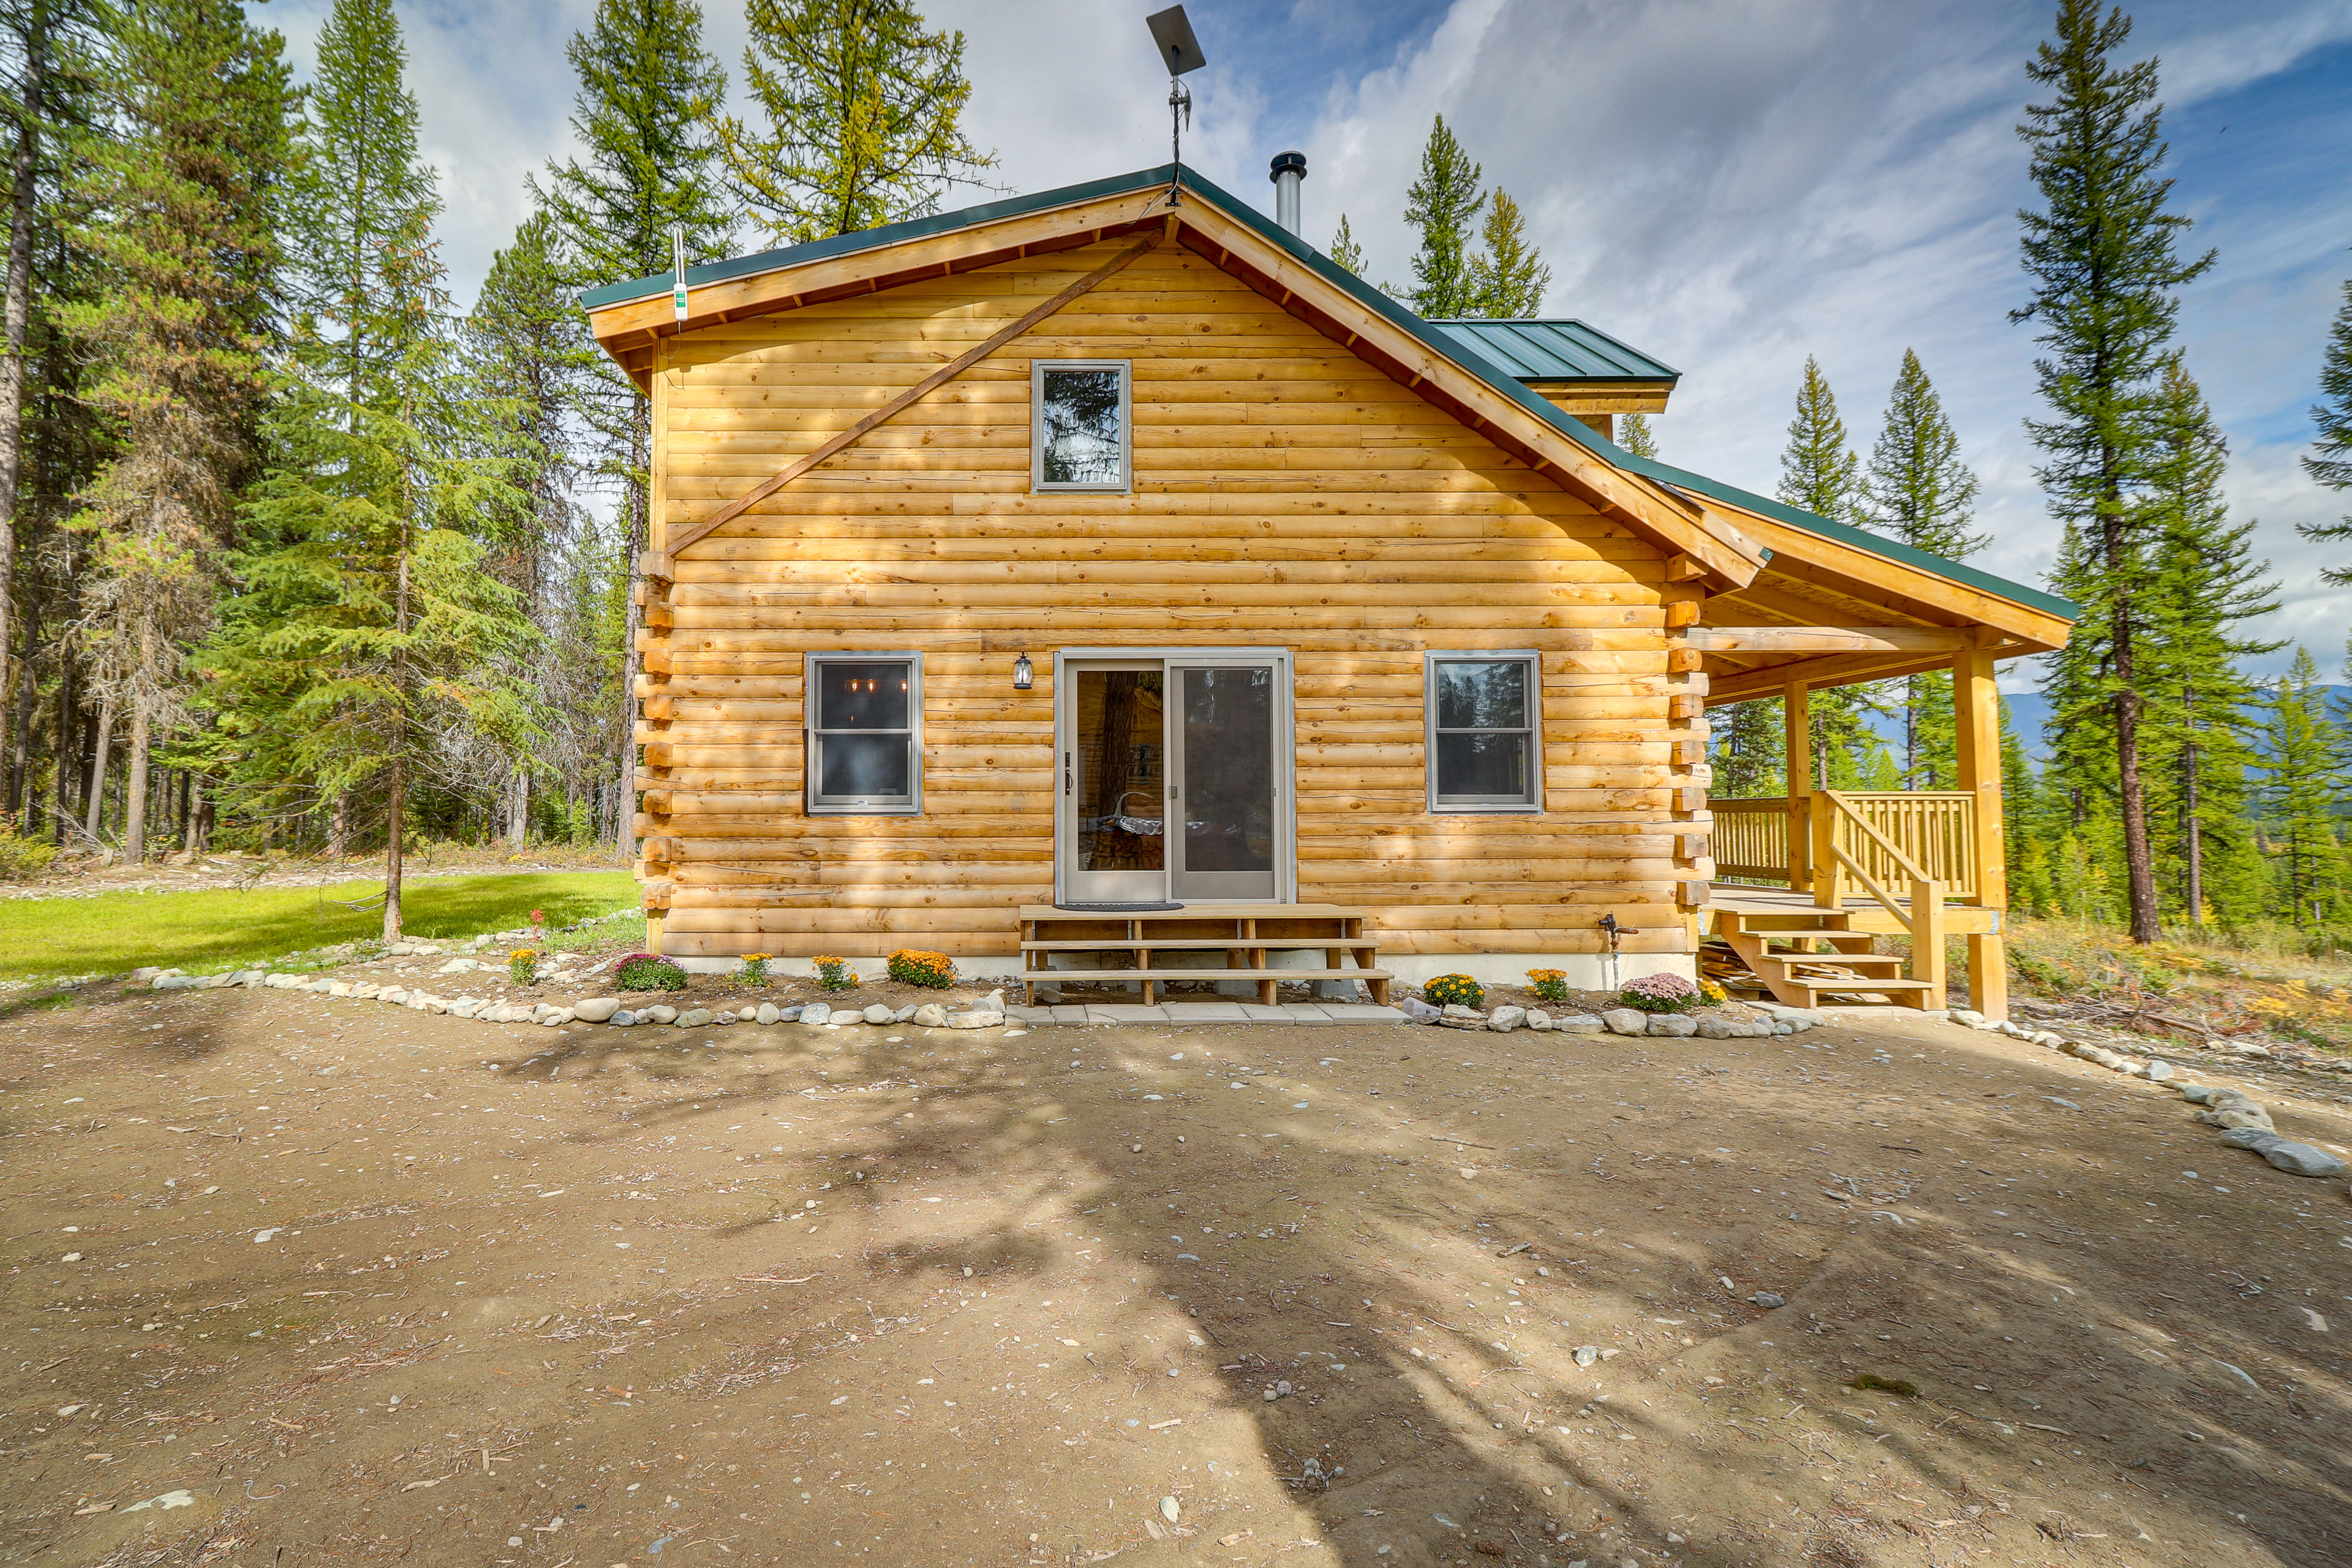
pixel 46 939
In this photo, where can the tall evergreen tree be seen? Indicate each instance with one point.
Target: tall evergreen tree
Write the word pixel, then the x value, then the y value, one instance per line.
pixel 646 112
pixel 1441 206
pixel 2330 461
pixel 368 633
pixel 1820 474
pixel 2299 746
pixel 1509 276
pixel 1819 470
pixel 864 111
pixel 369 630
pixel 645 117
pixel 1345 253
pixel 2105 264
pixel 180 203
pixel 1637 434
pixel 529 362
pixel 1916 490
pixel 2205 585
pixel 359 191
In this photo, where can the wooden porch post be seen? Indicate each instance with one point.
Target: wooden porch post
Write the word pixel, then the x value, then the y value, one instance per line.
pixel 1975 704
pixel 1797 725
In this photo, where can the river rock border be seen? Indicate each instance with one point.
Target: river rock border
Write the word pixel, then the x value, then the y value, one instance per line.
pixel 2244 1123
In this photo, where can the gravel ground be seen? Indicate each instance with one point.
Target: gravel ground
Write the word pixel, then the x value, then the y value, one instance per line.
pixel 330 1280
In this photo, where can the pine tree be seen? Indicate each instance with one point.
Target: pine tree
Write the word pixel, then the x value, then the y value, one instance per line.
pixel 2205 583
pixel 1750 760
pixel 360 186
pixel 1818 471
pixel 1917 490
pixel 368 635
pixel 179 211
pixel 2299 747
pixel 1441 206
pixel 1636 435
pixel 369 632
pixel 1509 276
pixel 530 361
pixel 1345 253
pixel 1820 474
pixel 2021 796
pixel 2330 462
pixel 2105 266
pixel 863 108
pixel 645 113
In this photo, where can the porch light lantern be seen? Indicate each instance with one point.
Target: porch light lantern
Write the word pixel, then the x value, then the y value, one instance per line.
pixel 1024 673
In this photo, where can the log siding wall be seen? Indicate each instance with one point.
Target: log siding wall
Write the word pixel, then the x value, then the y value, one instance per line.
pixel 1284 494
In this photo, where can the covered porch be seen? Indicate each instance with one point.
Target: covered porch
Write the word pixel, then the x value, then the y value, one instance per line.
pixel 1801 882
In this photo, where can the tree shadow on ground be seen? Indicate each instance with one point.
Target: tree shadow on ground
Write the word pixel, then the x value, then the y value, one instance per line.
pixel 1436 1410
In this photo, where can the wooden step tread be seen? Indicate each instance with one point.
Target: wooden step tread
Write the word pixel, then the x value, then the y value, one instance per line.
pixel 1191 943
pixel 1867 982
pixel 1198 912
pixel 1088 976
pixel 1832 960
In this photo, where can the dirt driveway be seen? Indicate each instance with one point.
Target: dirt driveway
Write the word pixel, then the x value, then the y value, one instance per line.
pixel 323 1280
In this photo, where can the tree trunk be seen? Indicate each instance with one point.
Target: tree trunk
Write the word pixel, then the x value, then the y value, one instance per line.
pixel 200 836
pixel 395 803
pixel 98 766
pixel 2193 825
pixel 16 312
pixel 67 746
pixel 338 827
pixel 136 790
pixel 393 807
pixel 640 535
pixel 134 803
pixel 20 754
pixel 194 815
pixel 519 809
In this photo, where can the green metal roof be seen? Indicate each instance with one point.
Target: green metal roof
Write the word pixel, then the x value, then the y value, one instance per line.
pixel 1552 352
pixel 1432 335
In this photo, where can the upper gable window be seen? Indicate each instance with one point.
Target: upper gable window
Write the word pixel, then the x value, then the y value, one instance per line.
pixel 1078 439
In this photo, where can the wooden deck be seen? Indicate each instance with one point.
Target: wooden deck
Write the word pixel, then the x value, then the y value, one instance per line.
pixel 1862 913
pixel 1209 941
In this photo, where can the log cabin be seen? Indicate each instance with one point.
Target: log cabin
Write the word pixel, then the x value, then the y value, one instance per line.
pixel 1105 580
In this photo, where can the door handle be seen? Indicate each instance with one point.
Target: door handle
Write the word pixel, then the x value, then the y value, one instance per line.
pixel 1065 772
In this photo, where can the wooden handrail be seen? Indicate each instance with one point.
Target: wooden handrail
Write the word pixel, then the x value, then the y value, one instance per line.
pixel 1845 809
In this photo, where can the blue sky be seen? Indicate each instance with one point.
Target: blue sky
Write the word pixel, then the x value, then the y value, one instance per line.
pixel 1730 185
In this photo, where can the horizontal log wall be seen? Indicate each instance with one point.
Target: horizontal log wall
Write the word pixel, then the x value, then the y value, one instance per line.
pixel 1285 494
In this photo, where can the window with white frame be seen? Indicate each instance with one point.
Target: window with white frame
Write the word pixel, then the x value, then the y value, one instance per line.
pixel 865 734
pixel 1079 436
pixel 1485 744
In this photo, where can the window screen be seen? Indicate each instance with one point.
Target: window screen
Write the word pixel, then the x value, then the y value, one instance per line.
pixel 865 746
pixel 1081 435
pixel 1484 734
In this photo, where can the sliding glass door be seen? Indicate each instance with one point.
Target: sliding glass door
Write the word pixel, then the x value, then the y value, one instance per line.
pixel 1174 775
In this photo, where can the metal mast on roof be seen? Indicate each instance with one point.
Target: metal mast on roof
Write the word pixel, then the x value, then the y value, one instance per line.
pixel 1173 37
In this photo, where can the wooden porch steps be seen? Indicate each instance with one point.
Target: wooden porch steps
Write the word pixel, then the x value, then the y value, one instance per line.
pixel 1822 958
pixel 1245 934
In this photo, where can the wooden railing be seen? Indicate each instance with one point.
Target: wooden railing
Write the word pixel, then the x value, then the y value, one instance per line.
pixel 1888 833
pixel 1751 839
pixel 1932 834
pixel 1847 843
